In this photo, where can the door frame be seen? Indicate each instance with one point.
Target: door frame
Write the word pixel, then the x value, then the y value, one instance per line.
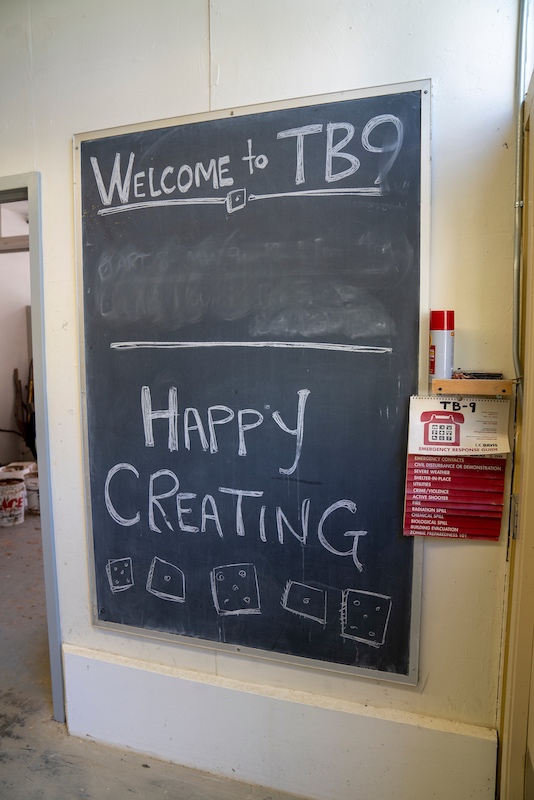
pixel 19 187
pixel 518 662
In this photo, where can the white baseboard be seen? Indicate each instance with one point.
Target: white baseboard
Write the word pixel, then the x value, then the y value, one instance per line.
pixel 295 742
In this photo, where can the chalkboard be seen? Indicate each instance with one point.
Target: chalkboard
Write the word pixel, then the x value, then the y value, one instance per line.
pixel 251 284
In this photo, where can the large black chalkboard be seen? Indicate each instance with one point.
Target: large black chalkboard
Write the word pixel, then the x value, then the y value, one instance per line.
pixel 251 336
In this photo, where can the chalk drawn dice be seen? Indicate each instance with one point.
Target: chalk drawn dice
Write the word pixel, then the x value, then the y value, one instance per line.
pixel 235 200
pixel 120 574
pixel 306 601
pixel 365 616
pixel 166 581
pixel 234 588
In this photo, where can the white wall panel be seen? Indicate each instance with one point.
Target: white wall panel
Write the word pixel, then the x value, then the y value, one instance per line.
pixel 68 66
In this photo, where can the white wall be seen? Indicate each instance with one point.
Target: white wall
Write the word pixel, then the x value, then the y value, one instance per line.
pixel 14 300
pixel 66 67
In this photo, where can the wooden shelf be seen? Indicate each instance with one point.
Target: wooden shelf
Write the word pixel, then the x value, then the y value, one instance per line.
pixel 471 386
pixel 14 244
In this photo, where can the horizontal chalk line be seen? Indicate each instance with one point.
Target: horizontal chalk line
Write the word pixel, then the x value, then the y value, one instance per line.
pixel 366 191
pixel 186 201
pixel 350 348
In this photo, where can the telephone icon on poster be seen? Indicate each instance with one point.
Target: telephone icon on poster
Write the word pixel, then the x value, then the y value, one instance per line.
pixel 442 427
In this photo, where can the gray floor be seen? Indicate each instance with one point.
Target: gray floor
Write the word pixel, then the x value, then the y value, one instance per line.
pixel 38 759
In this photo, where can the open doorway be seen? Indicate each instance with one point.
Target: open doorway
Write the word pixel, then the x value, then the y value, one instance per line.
pixel 23 191
pixel 17 429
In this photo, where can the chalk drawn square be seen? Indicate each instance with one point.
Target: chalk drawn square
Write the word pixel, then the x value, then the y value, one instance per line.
pixel 166 581
pixel 365 616
pixel 120 574
pixel 235 200
pixel 234 588
pixel 306 601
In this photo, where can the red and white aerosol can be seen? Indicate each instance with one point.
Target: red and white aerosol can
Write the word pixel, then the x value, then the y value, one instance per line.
pixel 441 344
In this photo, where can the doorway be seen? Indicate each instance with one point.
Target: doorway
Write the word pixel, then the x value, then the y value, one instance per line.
pixel 18 188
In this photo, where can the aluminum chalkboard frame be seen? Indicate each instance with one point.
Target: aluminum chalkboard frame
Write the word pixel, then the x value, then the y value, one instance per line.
pixel 253 304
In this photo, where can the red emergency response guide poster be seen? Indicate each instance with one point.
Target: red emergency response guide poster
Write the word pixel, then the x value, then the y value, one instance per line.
pixel 450 493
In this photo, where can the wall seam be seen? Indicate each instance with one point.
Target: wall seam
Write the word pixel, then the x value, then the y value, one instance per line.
pixel 31 84
pixel 209 58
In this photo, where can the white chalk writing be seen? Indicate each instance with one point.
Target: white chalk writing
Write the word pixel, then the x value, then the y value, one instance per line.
pixel 217 416
pixel 164 484
pixel 129 188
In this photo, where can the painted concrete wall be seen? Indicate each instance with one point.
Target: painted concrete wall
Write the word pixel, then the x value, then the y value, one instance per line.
pixel 67 67
pixel 14 300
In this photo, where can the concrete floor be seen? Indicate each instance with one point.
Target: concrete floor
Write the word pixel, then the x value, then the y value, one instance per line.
pixel 38 758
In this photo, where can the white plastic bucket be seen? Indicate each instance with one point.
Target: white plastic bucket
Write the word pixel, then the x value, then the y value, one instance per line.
pixel 19 469
pixel 32 492
pixel 11 501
